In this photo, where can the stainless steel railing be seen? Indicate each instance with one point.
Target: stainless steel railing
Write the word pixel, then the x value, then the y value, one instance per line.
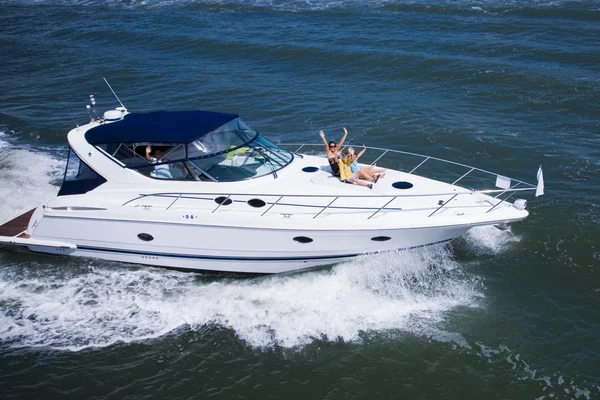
pixel 387 200
pixel 279 200
pixel 510 191
pixel 424 157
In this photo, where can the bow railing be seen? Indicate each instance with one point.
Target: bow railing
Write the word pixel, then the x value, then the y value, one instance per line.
pixel 263 203
pixel 425 158
pixel 222 200
pixel 510 186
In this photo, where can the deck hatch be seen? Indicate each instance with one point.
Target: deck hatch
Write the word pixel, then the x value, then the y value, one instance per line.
pixel 310 169
pixel 402 185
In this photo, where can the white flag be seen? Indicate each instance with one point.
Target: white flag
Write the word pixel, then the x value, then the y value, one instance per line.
pixel 540 186
pixel 502 182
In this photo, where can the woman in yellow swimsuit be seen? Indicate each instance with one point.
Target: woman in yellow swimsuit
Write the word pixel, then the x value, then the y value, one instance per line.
pixel 346 174
pixel 369 169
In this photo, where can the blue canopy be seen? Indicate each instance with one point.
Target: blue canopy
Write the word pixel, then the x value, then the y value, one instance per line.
pixel 159 127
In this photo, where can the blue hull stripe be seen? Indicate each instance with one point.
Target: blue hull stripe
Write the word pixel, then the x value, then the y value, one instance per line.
pixel 224 258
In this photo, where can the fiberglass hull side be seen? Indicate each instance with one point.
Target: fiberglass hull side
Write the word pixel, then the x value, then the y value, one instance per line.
pixel 231 249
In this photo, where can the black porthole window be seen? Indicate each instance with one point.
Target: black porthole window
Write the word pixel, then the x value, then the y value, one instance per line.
pixel 310 169
pixel 380 238
pixel 224 201
pixel 256 203
pixel 402 185
pixel 146 237
pixel 302 239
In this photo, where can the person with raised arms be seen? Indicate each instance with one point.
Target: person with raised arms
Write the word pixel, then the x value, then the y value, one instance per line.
pixel 332 149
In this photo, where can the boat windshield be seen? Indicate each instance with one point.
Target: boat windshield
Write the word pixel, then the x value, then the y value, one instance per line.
pixel 230 153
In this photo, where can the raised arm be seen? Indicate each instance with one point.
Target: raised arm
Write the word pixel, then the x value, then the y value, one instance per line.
pixel 341 143
pixel 322 134
pixel 148 150
pixel 360 153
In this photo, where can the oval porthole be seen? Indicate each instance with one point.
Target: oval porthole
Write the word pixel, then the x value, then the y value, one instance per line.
pixel 402 185
pixel 256 203
pixel 224 201
pixel 380 238
pixel 146 237
pixel 302 239
pixel 310 169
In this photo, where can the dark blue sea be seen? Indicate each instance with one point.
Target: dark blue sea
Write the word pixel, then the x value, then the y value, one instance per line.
pixel 504 85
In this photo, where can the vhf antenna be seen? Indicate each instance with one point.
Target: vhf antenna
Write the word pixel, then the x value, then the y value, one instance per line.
pixel 69 111
pixel 113 92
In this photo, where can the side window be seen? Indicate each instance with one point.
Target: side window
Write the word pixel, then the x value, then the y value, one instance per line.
pixel 128 154
pixel 171 171
pixel 79 177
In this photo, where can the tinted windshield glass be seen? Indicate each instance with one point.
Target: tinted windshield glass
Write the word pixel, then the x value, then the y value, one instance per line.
pixel 257 158
pixel 231 135
pixel 229 153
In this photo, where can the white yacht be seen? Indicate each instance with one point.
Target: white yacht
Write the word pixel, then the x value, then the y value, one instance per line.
pixel 199 190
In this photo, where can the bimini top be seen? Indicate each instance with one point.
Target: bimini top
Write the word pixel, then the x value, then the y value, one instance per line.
pixel 161 126
pixel 189 145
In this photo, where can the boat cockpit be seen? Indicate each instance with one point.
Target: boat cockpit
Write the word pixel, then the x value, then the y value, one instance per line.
pixel 192 145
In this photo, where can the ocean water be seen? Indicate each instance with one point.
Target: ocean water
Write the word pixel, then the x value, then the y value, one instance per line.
pixel 503 85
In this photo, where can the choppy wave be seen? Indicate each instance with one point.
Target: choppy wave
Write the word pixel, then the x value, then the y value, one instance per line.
pixel 552 384
pixel 576 8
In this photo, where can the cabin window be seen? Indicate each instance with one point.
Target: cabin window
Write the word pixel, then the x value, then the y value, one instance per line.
pixel 380 238
pixel 79 177
pixel 256 203
pixel 303 239
pixel 169 171
pixel 237 162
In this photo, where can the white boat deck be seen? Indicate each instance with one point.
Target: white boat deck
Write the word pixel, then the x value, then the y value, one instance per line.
pixel 305 197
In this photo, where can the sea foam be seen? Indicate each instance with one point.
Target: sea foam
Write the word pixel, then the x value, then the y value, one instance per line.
pixel 29 177
pixel 96 304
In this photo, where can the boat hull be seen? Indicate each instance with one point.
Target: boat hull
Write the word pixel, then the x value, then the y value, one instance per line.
pixel 231 249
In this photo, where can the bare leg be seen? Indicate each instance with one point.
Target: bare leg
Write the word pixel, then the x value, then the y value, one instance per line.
pixel 362 174
pixel 380 175
pixel 361 183
pixel 374 170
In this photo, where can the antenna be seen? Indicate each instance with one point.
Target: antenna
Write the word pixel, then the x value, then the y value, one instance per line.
pixel 69 111
pixel 113 92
